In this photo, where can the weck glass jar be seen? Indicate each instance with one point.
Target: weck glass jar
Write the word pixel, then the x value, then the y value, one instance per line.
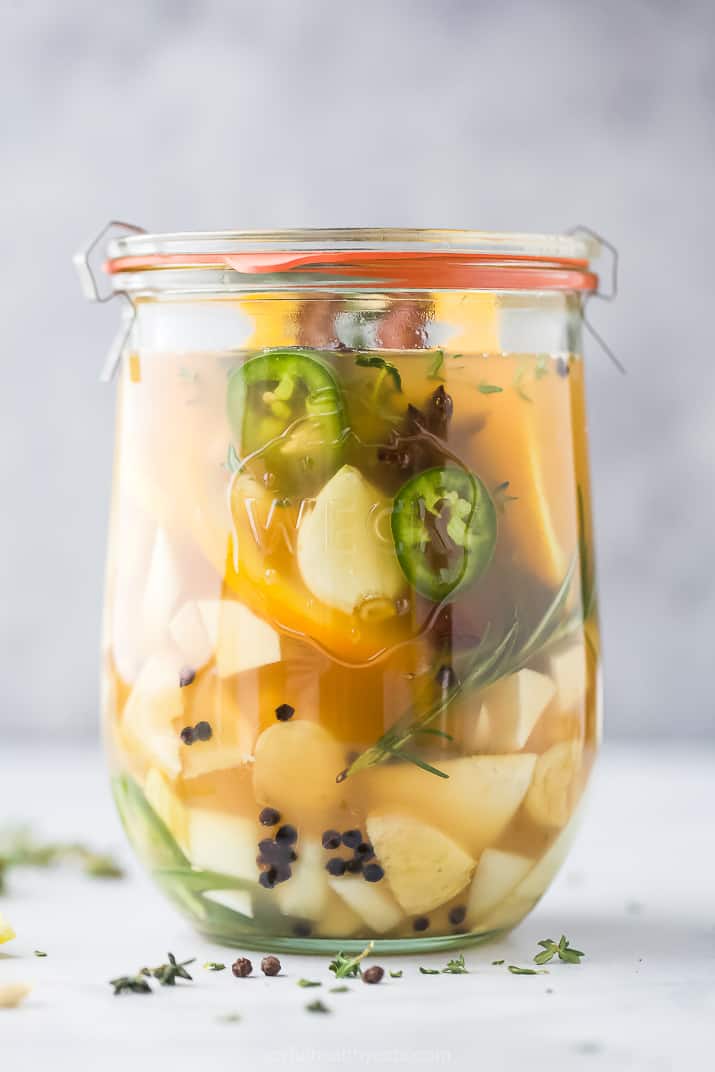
pixel 351 654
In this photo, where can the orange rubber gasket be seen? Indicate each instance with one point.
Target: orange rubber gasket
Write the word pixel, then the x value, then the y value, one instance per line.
pixel 429 269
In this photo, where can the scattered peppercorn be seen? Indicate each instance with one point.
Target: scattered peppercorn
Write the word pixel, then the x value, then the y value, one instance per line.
pixel 420 924
pixel 373 974
pixel 269 817
pixel 286 835
pixel 562 366
pixel 186 677
pixel 284 712
pixel 351 839
pixel 364 850
pixel 354 867
pixel 457 914
pixel 187 735
pixel 331 839
pixel 203 731
pixel 270 966
pixel 372 873
pixel 446 677
pixel 335 866
pixel 302 929
pixel 241 967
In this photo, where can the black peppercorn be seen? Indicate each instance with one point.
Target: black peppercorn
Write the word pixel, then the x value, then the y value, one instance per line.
pixel 302 929
pixel 364 850
pixel 267 879
pixel 457 914
pixel 286 835
pixel 269 817
pixel 331 839
pixel 336 866
pixel 187 735
pixel 241 967
pixel 420 924
pixel 354 867
pixel 186 677
pixel 203 731
pixel 373 974
pixel 270 966
pixel 562 367
pixel 284 712
pixel 372 873
pixel 351 839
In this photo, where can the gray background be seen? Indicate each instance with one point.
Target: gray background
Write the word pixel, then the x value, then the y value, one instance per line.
pixel 516 116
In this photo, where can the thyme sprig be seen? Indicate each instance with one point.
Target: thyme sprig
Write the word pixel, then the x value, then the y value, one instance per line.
pixel 345 967
pixel 130 984
pixel 491 661
pixel 167 974
pixel 561 949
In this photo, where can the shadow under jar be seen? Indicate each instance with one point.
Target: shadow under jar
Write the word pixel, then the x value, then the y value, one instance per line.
pixel 351 655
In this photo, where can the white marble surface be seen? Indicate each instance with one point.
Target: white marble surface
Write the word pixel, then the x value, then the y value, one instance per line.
pixel 637 895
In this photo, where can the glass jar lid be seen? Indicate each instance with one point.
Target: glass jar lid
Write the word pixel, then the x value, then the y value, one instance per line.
pixel 358 257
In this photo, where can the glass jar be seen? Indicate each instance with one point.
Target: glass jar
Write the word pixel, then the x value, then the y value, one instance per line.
pixel 351 655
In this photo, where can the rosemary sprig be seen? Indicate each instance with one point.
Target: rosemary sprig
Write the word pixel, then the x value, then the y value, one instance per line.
pixel 491 661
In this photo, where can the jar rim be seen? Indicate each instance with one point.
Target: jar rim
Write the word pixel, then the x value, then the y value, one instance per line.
pixel 363 257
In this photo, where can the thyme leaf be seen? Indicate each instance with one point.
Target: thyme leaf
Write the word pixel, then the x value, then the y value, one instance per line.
pixel 396 974
pixel 429 971
pixel 516 970
pixel 130 984
pixel 317 1006
pixel 456 966
pixel 489 389
pixel 436 365
pixel 386 368
pixel 213 965
pixel 308 982
pixel 167 974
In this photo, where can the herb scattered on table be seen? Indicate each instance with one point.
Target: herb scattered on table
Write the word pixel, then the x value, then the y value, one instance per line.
pixel 345 967
pixel 229 1018
pixel 213 965
pixel 456 966
pixel 309 982
pixel 18 848
pixel 317 1006
pixel 40 953
pixel 340 989
pixel 562 949
pixel 489 389
pixel 396 974
pixel 130 984
pixel 167 974
pixel 516 970
pixel 429 971
pixel 497 962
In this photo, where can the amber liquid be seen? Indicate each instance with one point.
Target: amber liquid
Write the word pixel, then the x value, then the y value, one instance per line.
pixel 190 538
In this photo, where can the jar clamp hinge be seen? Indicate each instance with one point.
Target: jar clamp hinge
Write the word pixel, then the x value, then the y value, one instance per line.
pixel 92 293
